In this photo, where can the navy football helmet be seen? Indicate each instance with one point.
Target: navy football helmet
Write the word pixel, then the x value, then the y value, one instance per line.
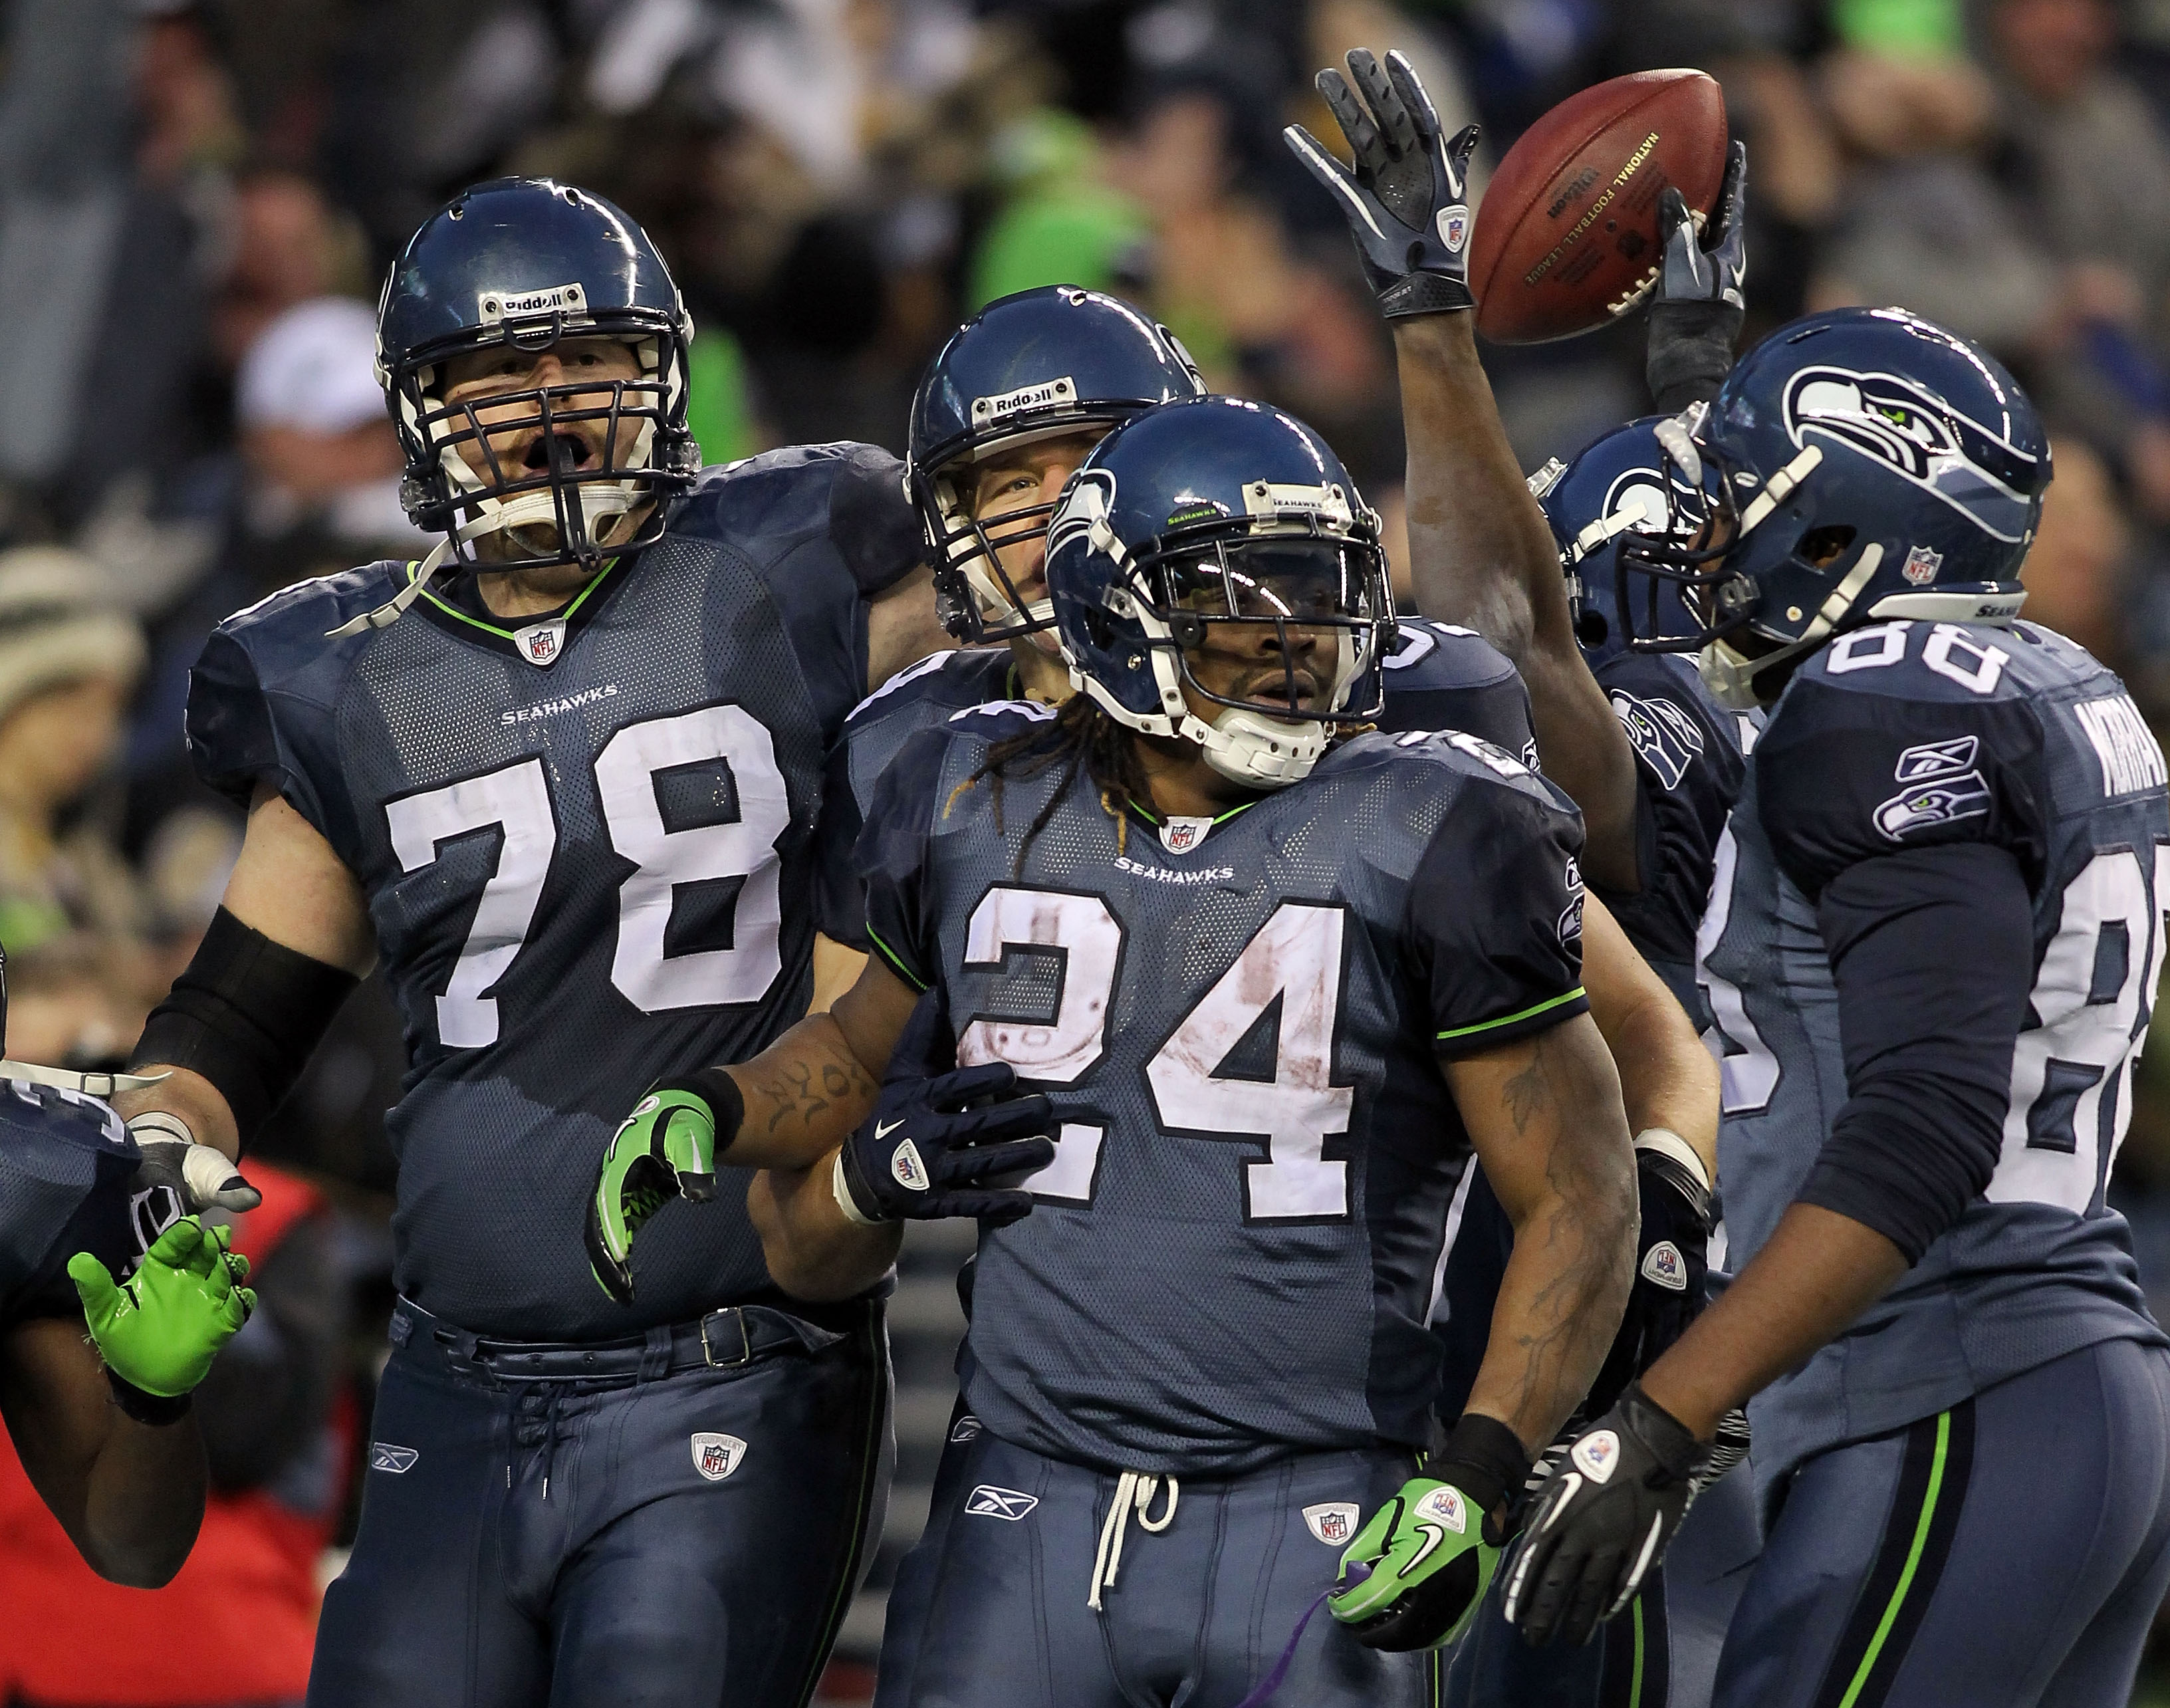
pixel 523 263
pixel 1033 366
pixel 1210 512
pixel 1861 465
pixel 1624 482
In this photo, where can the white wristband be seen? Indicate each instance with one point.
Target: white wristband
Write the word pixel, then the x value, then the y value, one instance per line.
pixel 1667 1143
pixel 842 1188
pixel 163 1122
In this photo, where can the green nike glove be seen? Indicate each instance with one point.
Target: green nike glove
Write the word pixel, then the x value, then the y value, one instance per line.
pixel 665 1149
pixel 1417 1572
pixel 159 1330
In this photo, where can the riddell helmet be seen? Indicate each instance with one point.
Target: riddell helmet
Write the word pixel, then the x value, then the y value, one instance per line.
pixel 1033 366
pixel 1214 511
pixel 523 263
pixel 1861 465
pixel 1617 485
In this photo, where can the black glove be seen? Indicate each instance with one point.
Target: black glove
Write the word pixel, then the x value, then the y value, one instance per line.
pixel 1696 315
pixel 937 1142
pixel 1405 203
pixel 1602 1521
pixel 1671 1259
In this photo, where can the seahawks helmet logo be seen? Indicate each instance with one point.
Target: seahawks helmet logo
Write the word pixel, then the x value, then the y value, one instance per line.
pixel 1087 502
pixel 1920 437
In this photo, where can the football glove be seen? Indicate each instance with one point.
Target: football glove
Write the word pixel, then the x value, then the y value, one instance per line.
pixel 665 1149
pixel 938 1145
pixel 159 1330
pixel 1406 202
pixel 1671 1260
pixel 1696 312
pixel 1602 1521
pixel 1417 1572
pixel 198 1177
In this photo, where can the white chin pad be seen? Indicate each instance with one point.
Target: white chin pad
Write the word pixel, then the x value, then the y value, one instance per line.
pixel 600 504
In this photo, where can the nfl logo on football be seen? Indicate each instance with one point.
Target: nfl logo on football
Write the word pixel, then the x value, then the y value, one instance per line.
pixel 1920 566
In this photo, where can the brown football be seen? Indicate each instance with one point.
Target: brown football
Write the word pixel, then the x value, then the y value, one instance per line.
pixel 1567 235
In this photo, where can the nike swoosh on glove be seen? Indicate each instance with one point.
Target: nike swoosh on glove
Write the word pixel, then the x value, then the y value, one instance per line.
pixel 938 1143
pixel 1602 1521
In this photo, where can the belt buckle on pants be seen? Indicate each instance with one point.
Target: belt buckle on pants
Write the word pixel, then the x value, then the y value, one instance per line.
pixel 709 1354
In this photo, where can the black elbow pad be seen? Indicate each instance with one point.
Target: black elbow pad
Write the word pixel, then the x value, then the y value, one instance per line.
pixel 246 1014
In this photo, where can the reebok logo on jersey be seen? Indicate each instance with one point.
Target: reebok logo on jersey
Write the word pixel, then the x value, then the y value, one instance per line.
pixel 988 1502
pixel 551 708
pixel 2130 758
pixel 384 1456
pixel 1664 1266
pixel 1935 759
pixel 1444 1505
pixel 1333 1522
pixel 1943 788
pixel 905 1165
pixel 716 1456
pixel 1597 1454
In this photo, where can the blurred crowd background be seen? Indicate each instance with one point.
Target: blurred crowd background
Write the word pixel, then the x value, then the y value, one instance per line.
pixel 197 201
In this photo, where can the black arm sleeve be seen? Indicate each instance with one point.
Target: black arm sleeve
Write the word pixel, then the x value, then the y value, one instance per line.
pixel 1932 953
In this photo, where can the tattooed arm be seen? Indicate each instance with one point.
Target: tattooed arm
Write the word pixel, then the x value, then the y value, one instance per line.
pixel 806 1092
pixel 1544 1114
pixel 803 1095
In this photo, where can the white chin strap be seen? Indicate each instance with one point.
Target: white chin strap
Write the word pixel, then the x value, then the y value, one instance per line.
pixel 1264 753
pixel 1730 674
pixel 526 510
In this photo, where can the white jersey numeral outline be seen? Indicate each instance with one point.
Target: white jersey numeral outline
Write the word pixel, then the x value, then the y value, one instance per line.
pixel 515 800
pixel 1295 959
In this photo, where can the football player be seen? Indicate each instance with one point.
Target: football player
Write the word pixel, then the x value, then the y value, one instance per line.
pixel 1208 928
pixel 91 1234
pixel 562 776
pixel 1669 757
pixel 1938 935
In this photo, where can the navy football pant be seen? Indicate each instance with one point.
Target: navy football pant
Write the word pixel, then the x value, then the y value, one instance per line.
pixel 2008 1552
pixel 990 1610
pixel 1661 1652
pixel 530 1537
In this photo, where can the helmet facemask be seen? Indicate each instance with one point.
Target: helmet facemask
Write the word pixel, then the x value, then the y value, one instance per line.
pixel 1321 577
pixel 462 484
pixel 976 598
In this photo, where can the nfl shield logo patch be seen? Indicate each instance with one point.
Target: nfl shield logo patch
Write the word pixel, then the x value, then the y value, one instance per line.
pixel 540 643
pixel 1181 835
pixel 1333 1522
pixel 1664 1266
pixel 1920 566
pixel 717 1456
pixel 1596 1453
pixel 1453 228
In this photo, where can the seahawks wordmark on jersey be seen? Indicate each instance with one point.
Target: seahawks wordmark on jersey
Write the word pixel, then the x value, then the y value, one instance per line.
pixel 1233 1254
pixel 1438 677
pixel 584 871
pixel 1907 736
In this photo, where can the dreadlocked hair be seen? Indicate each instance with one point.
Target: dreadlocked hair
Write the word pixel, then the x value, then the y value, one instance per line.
pixel 1081 738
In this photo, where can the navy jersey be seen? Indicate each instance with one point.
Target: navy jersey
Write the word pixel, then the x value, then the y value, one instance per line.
pixel 1689 770
pixel 1233 1255
pixel 66 1166
pixel 585 857
pixel 1908 735
pixel 1437 677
